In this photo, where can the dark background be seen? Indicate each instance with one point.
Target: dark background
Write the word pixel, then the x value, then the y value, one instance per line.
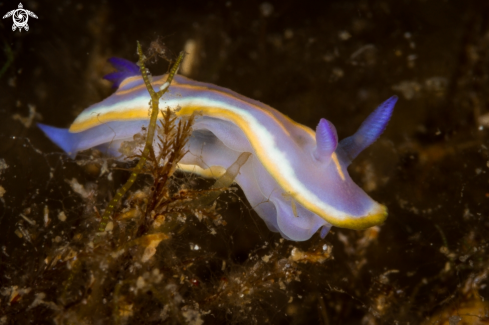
pixel 308 59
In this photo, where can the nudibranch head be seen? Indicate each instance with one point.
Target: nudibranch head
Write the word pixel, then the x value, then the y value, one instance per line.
pixel 295 179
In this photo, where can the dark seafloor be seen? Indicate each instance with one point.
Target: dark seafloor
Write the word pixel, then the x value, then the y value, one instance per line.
pixel 428 264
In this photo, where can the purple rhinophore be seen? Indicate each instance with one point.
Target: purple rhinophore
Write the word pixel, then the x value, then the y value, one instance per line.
pixel 326 140
pixel 370 129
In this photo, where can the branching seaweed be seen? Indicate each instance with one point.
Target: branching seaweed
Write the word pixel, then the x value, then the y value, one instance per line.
pixel 155 99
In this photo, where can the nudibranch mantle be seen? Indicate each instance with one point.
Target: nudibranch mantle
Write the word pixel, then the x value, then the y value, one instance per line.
pixel 296 179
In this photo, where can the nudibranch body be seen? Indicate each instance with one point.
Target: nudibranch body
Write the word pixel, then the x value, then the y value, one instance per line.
pixel 295 179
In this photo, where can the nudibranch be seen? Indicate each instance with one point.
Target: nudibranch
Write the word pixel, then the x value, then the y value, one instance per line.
pixel 295 179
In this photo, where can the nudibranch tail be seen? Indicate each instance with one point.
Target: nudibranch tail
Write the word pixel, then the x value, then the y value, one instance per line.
pixel 326 140
pixel 125 69
pixel 62 137
pixel 370 130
